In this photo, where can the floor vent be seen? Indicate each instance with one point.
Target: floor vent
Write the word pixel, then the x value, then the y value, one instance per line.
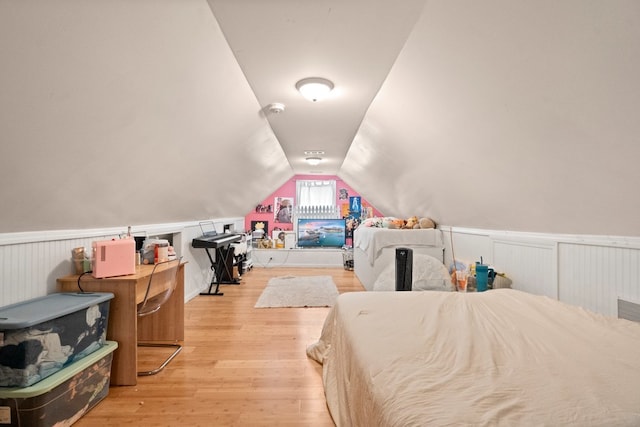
pixel 628 310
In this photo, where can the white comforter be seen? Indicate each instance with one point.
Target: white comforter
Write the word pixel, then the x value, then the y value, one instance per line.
pixel 497 358
pixel 373 240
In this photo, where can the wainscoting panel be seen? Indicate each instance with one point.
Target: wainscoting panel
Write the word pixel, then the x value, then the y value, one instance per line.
pixel 468 247
pixel 30 270
pixel 583 270
pixel 31 262
pixel 588 271
pixel 309 257
pixel 595 276
pixel 531 266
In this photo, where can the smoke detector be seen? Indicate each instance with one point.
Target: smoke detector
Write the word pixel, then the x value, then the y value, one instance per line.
pixel 275 108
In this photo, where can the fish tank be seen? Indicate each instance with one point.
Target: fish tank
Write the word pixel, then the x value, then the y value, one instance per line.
pixel 321 232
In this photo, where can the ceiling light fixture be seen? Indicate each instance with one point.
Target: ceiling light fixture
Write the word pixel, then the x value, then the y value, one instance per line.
pixel 313 161
pixel 314 88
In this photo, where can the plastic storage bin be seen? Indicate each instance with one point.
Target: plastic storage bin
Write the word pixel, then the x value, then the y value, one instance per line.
pixel 62 398
pixel 38 337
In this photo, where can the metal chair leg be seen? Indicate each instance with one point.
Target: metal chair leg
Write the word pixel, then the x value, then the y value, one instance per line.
pixel 177 347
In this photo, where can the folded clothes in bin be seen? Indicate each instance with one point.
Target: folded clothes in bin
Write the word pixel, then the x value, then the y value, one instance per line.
pixel 62 398
pixel 38 337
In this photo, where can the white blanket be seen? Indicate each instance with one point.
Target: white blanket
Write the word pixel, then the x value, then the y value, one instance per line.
pixel 373 240
pixel 496 358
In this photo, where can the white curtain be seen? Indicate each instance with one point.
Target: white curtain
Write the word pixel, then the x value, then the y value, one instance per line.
pixel 316 193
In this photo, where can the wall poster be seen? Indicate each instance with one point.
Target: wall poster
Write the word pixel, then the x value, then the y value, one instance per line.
pixel 284 209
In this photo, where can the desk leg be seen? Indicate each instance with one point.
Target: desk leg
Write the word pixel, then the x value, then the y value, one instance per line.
pixel 123 329
pixel 167 324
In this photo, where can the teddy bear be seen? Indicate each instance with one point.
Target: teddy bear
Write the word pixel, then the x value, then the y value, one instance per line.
pixel 411 222
pixel 264 244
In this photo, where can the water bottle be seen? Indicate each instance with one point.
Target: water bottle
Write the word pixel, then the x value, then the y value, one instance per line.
pixel 482 277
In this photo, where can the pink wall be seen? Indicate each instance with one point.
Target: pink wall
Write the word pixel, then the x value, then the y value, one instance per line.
pixel 289 190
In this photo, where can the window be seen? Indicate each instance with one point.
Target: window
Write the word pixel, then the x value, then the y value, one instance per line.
pixel 316 193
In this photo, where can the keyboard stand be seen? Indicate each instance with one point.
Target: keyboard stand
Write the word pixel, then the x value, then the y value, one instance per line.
pixel 219 267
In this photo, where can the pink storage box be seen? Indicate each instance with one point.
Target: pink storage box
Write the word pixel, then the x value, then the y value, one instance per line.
pixel 114 258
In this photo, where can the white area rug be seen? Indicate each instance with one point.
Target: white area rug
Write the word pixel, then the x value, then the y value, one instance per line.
pixel 298 291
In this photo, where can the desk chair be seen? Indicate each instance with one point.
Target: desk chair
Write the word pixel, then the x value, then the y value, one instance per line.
pixel 162 283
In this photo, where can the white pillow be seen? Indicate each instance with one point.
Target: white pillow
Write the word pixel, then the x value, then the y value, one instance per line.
pixel 429 274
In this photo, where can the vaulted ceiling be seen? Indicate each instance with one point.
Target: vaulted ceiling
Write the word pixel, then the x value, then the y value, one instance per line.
pixel 352 43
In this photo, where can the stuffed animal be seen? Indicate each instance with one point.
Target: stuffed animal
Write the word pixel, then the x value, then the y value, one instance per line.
pixel 411 222
pixel 372 222
pixel 264 244
pixel 426 223
pixel 392 222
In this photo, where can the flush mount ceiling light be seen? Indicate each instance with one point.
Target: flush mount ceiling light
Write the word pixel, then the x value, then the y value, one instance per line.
pixel 314 88
pixel 313 161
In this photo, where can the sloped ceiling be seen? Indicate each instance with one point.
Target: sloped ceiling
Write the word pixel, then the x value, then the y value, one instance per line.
pixel 512 116
pixel 123 113
pixel 501 115
pixel 352 43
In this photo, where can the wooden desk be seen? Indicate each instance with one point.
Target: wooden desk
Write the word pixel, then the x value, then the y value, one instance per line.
pixel 124 325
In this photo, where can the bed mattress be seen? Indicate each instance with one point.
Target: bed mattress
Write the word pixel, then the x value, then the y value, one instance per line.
pixel 497 358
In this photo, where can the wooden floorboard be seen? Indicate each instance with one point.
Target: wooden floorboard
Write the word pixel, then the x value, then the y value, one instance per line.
pixel 240 366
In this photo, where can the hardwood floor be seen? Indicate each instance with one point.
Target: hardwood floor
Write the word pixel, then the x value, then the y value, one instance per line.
pixel 240 366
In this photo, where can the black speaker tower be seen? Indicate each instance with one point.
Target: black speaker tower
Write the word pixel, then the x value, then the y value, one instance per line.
pixel 404 269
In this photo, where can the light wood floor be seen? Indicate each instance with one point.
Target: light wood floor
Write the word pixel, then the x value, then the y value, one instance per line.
pixel 240 366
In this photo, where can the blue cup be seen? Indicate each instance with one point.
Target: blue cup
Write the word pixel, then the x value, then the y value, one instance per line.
pixel 482 277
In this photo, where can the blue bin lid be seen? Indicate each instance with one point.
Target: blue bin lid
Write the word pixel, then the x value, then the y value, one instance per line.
pixel 34 311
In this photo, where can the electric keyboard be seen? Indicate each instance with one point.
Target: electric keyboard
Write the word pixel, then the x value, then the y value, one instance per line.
pixel 215 241
pixel 222 265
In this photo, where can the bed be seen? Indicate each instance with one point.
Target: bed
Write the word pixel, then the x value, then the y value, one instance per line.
pixel 496 358
pixel 374 249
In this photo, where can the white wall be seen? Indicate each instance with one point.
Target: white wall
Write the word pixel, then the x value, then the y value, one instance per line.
pixel 509 115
